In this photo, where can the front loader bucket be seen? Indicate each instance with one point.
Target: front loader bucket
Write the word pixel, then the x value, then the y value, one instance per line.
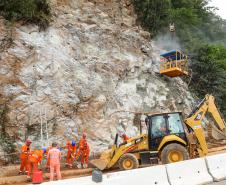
pixel 101 164
pixel 103 161
pixel 217 134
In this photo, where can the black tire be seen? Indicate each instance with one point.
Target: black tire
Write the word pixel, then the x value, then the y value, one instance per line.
pixel 180 153
pixel 128 158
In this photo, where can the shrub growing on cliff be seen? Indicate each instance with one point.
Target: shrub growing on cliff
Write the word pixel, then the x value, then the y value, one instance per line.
pixel 6 142
pixel 30 11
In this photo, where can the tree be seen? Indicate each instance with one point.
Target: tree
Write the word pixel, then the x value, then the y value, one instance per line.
pixel 30 11
pixel 202 35
pixel 208 74
pixel 152 14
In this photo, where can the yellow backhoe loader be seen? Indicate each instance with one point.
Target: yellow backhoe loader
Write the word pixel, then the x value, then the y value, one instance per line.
pixel 169 138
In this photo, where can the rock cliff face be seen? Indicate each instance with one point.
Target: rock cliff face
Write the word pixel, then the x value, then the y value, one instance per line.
pixel 91 62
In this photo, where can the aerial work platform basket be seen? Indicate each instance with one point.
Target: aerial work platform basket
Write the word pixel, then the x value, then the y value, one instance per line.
pixel 174 64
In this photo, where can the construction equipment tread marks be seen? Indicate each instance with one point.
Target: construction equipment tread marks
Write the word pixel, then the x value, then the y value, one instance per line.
pixel 128 161
pixel 173 153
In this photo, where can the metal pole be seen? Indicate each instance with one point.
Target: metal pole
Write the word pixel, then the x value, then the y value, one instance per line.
pixel 41 127
pixel 47 134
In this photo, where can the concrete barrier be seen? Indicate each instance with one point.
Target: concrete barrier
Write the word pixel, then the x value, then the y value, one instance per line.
pixel 216 165
pixel 155 175
pixel 190 172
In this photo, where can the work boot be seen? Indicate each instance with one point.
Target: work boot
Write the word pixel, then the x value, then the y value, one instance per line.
pixel 47 169
pixel 76 165
pixel 28 178
pixel 79 165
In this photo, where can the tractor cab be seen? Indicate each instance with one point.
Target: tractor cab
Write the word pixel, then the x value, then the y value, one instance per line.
pixel 174 64
pixel 165 129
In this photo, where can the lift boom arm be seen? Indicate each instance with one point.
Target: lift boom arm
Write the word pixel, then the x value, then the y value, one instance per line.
pixel 194 121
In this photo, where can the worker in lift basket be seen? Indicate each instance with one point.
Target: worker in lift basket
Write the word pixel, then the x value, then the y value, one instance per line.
pixel 54 155
pixel 83 151
pixel 25 151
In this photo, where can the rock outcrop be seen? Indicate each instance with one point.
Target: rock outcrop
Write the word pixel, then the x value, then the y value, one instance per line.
pixel 80 74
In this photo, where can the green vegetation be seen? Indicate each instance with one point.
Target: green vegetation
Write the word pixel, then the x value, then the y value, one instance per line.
pixel 30 11
pixel 209 73
pixel 5 141
pixel 202 35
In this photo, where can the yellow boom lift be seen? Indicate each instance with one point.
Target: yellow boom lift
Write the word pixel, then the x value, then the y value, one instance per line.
pixel 169 138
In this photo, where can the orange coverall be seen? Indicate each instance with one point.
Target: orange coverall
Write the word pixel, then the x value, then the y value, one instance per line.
pixel 71 153
pixel 125 137
pixel 55 156
pixel 25 150
pixel 33 160
pixel 48 160
pixel 84 151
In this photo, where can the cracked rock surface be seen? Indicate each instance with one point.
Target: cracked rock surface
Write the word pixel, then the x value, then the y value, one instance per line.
pixel 92 61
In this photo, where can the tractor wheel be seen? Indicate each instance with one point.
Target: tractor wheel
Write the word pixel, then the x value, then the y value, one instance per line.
pixel 128 161
pixel 174 153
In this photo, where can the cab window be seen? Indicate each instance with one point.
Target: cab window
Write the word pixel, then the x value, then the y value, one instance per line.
pixel 158 128
pixel 175 124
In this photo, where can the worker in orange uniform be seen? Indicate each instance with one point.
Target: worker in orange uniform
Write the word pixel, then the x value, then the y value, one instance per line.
pixel 124 137
pixel 84 151
pixel 48 160
pixel 34 159
pixel 25 151
pixel 71 153
pixel 54 155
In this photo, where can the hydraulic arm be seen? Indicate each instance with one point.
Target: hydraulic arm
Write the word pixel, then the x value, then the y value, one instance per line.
pixel 194 121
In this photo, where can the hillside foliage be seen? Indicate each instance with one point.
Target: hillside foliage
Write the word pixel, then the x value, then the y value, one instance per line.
pixel 202 35
pixel 30 11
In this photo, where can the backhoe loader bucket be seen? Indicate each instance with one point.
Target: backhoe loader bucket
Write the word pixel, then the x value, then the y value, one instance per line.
pixel 216 133
pixel 103 161
pixel 101 164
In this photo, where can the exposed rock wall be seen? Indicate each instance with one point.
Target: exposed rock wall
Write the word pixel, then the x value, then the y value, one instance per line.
pixel 92 61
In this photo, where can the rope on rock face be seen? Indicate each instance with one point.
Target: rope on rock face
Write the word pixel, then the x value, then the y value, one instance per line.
pixel 10 158
pixel 190 77
pixel 14 153
pixel 41 131
pixel 189 82
pixel 134 112
pixel 47 133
